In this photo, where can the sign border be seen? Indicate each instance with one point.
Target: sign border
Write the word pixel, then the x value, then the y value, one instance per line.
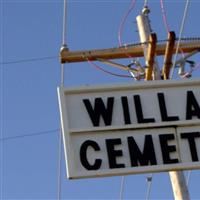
pixel 66 131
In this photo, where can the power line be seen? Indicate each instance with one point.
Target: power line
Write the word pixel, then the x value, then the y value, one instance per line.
pixel 124 46
pixel 149 182
pixel 180 35
pixel 29 135
pixel 188 177
pixel 62 78
pixel 64 22
pixel 145 3
pixel 164 16
pixel 59 163
pixel 1 102
pixel 29 60
pixel 121 27
pixel 122 188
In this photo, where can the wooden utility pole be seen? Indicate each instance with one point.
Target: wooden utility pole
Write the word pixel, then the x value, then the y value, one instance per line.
pixel 179 185
pixel 178 182
pixel 145 31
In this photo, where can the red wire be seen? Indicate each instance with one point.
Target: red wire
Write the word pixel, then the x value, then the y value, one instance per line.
pixel 121 27
pixel 164 16
pixel 108 72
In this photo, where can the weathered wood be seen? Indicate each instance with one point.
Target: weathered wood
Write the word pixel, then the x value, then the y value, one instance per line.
pixel 145 30
pixel 150 56
pixel 179 186
pixel 168 55
pixel 122 52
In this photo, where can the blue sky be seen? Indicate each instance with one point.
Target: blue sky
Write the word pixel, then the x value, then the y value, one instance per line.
pixel 33 29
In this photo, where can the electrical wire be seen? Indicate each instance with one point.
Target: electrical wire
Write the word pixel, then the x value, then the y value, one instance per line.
pixel 64 22
pixel 59 163
pixel 1 101
pixel 29 60
pixel 122 188
pixel 145 3
pixel 164 16
pixel 57 57
pixel 29 135
pixel 107 72
pixel 121 27
pixel 188 177
pixel 62 85
pixel 180 35
pixel 165 21
pixel 149 184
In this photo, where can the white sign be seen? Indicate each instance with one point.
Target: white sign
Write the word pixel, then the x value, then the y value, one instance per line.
pixel 143 127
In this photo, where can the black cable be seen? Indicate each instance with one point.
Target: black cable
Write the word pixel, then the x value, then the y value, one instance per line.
pixel 29 135
pixel 55 57
pixel 29 60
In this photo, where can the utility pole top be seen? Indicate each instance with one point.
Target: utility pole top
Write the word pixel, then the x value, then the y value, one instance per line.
pixel 145 10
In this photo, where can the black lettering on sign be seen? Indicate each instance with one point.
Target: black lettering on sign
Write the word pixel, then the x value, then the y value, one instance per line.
pixel 83 155
pixel 192 144
pixel 100 110
pixel 139 113
pixel 144 158
pixel 126 113
pixel 113 153
pixel 192 107
pixel 167 149
pixel 163 109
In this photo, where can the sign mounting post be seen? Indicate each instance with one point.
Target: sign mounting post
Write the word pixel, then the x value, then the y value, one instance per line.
pixel 178 182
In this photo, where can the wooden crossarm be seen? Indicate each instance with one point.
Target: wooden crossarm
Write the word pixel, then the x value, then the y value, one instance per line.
pixel 122 52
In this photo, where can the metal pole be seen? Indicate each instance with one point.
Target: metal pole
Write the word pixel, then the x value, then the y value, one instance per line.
pixel 178 182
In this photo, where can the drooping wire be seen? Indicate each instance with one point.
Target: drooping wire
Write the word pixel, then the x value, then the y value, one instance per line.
pixel 180 35
pixel 122 188
pixel 107 72
pixel 149 184
pixel 164 16
pixel 121 27
pixel 28 135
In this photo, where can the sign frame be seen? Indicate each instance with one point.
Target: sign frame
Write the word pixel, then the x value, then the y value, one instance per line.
pixel 68 132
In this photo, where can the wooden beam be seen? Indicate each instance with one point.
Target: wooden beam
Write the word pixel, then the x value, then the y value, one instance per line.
pixel 168 55
pixel 122 52
pixel 151 50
